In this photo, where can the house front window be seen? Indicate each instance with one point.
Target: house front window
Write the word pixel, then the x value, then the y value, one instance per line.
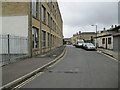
pixel 103 41
pixel 34 8
pixel 109 40
pixel 43 39
pixel 34 37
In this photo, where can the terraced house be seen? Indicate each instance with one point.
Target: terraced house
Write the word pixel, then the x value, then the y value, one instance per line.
pixel 40 22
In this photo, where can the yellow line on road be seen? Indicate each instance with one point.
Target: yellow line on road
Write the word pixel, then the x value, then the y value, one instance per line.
pixel 38 74
pixel 32 71
pixel 27 81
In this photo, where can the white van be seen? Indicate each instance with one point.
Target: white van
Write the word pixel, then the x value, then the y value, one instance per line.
pixel 79 43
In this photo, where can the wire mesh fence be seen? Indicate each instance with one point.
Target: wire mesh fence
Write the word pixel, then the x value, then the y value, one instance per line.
pixel 12 48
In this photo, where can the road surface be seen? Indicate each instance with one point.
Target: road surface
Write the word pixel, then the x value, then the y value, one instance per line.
pixel 79 69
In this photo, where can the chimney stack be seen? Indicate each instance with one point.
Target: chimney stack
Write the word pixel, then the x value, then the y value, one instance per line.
pixel 115 26
pixel 104 29
pixel 79 32
pixel 112 26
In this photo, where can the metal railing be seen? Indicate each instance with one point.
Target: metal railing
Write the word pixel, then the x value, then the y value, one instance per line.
pixel 12 48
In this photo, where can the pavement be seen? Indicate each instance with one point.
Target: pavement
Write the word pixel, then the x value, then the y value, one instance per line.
pixel 78 69
pixel 106 51
pixel 15 70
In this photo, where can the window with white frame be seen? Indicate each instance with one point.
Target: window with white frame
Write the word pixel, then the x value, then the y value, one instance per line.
pixel 35 37
pixel 43 39
pixel 34 8
pixel 43 12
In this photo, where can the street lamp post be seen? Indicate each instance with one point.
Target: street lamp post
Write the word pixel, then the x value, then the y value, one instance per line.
pixel 96 34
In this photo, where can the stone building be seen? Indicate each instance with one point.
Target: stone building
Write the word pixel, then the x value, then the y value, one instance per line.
pixel 87 36
pixel 67 41
pixel 110 43
pixel 106 40
pixel 41 22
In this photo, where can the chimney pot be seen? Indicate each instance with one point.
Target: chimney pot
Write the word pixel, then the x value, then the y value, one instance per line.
pixel 112 26
pixel 104 29
pixel 115 26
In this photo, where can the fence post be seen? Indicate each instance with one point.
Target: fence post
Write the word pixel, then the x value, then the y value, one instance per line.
pixel 9 47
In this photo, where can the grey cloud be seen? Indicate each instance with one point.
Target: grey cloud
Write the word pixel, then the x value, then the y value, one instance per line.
pixel 80 14
pixel 77 13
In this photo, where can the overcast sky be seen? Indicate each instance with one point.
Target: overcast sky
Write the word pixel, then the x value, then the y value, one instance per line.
pixel 79 16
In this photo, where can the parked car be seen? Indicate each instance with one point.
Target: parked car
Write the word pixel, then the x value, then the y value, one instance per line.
pixel 79 43
pixel 83 45
pixel 89 46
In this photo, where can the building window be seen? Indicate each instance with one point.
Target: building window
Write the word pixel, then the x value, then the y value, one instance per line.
pixel 34 8
pixel 43 12
pixel 103 41
pixel 51 20
pixel 35 37
pixel 53 25
pixel 109 40
pixel 51 40
pixel 43 39
pixel 48 19
pixel 48 40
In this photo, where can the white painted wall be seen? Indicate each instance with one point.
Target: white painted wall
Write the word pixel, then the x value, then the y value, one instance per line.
pixel 109 46
pixel 15 25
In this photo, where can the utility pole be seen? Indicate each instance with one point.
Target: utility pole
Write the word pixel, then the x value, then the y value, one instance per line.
pixel 96 33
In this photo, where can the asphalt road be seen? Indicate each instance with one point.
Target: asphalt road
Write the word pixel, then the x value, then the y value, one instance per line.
pixel 79 69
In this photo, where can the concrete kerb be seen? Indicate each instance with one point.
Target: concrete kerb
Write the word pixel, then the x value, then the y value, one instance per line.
pixel 25 77
pixel 107 54
pixel 104 53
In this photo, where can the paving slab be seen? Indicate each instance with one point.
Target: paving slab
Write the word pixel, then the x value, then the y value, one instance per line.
pixel 22 67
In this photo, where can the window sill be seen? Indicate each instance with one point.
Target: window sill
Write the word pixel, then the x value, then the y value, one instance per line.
pixel 34 49
pixel 43 47
pixel 36 18
pixel 43 22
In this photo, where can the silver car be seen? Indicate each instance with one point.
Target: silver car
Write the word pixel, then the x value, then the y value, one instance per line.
pixel 89 46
